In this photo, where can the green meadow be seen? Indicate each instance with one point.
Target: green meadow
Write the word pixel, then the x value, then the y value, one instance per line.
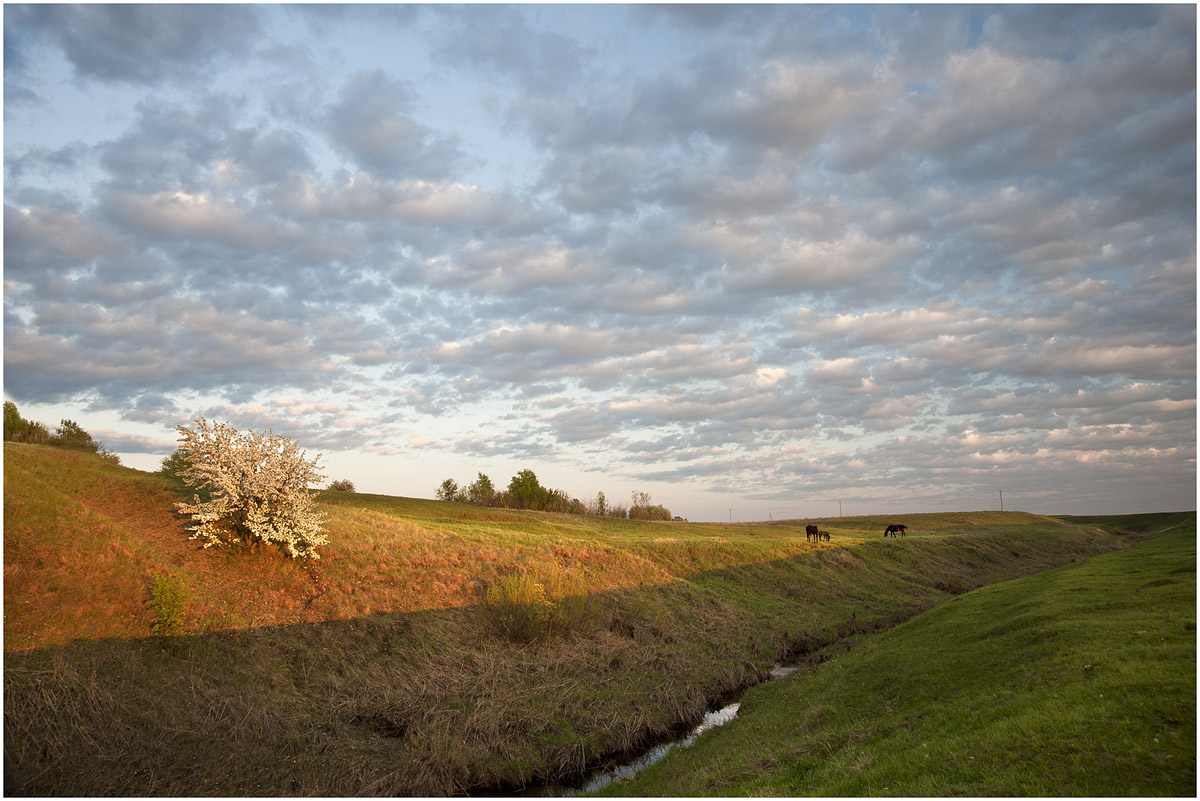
pixel 1079 681
pixel 440 649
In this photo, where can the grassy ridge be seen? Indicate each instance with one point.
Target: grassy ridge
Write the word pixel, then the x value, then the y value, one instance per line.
pixel 1075 682
pixel 375 671
pixel 83 537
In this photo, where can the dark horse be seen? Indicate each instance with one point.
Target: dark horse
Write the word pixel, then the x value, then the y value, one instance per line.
pixel 895 530
pixel 810 533
pixel 822 535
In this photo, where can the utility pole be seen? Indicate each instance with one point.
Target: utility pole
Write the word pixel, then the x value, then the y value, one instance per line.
pixel 1001 500
pixel 839 508
pixel 731 517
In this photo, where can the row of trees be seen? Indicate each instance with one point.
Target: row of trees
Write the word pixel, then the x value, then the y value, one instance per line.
pixel 526 492
pixel 69 434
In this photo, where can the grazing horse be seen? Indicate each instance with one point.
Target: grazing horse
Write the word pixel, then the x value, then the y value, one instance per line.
pixel 823 535
pixel 811 533
pixel 896 530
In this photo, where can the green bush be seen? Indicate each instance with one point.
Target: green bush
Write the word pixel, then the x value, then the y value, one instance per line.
pixel 168 604
pixel 71 435
pixel 341 485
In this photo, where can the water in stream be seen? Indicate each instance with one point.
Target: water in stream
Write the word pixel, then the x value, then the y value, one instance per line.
pixel 608 775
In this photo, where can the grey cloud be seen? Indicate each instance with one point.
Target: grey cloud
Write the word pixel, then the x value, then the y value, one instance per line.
pixel 143 44
pixel 47 161
pixel 371 121
pixel 853 263
pixel 785 106
pixel 119 442
pixel 518 444
pixel 499 40
pixel 170 147
pixel 178 345
pixel 48 238
pixel 268 157
pixel 323 18
pixel 419 211
pixel 707 18
pixel 315 426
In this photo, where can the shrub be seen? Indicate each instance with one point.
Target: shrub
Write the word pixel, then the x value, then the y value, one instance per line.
pixel 516 607
pixel 557 501
pixel 256 489
pixel 643 510
pixel 174 464
pixel 70 435
pixel 168 604
pixel 537 605
pixel 342 485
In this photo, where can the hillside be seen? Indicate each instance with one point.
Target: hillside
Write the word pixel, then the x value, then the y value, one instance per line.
pixel 379 670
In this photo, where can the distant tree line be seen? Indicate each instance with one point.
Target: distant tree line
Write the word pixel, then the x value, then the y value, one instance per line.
pixel 68 435
pixel 526 492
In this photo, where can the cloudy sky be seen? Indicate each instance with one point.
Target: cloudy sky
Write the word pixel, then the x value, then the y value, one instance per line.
pixel 758 261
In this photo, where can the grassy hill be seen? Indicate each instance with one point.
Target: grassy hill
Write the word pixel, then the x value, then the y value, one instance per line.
pixel 1079 681
pixel 382 668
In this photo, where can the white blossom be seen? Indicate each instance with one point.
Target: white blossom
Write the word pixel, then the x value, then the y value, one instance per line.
pixel 255 488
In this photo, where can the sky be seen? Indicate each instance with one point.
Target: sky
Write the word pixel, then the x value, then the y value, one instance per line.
pixel 758 261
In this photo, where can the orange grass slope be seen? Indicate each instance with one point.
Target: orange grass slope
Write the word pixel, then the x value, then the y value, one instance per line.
pixel 84 539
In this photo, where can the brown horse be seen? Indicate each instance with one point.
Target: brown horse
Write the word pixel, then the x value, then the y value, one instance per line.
pixel 811 533
pixel 823 535
pixel 896 530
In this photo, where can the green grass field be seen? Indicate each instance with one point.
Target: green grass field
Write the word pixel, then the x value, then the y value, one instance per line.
pixel 1079 681
pixel 380 670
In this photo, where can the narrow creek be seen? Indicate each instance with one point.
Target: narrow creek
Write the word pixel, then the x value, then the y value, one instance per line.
pixel 604 776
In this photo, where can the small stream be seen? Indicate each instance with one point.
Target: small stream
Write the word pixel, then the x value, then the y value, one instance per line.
pixel 605 776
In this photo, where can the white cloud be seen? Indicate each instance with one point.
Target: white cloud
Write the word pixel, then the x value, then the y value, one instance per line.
pixel 758 252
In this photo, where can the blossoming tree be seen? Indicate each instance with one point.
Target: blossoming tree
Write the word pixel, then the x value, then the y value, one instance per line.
pixel 252 488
